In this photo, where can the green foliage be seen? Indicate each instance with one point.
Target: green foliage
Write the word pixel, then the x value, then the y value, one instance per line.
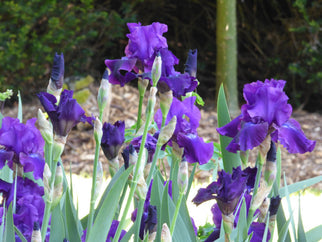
pixel 32 31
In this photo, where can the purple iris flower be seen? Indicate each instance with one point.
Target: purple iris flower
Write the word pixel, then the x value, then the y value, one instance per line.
pixel 145 41
pixel 227 190
pixel 258 232
pixel 116 66
pixel 64 116
pixel 29 204
pixel 266 112
pixel 149 217
pixel 112 139
pixel 111 232
pixel 22 144
pixel 58 69
pixel 150 144
pixel 185 133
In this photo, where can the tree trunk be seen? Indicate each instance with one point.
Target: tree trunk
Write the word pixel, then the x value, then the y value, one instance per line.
pixel 226 61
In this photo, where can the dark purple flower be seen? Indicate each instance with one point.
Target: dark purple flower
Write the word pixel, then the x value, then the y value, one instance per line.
pixel 191 63
pixel 144 41
pixel 274 205
pixel 266 112
pixel 150 144
pixel 227 190
pixel 23 144
pixel 112 139
pixel 213 236
pixel 258 230
pixel 29 203
pixel 195 149
pixel 64 116
pixel 57 71
pixel 120 70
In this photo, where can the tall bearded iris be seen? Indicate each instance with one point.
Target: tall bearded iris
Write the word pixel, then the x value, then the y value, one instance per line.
pixel 185 133
pixel 66 114
pixel 266 112
pixel 22 144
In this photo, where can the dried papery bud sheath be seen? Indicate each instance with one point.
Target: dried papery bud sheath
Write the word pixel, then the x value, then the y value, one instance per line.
pixel 57 76
pixel 177 151
pixel 261 194
pixel 141 188
pixel 165 234
pixel 103 92
pixel 45 127
pixel 151 100
pixel 58 186
pixel 270 166
pixel 113 165
pixel 46 179
pixel 166 132
pixel 36 234
pixel 58 146
pixel 156 69
pixel 98 130
pixel 228 223
pixel 264 148
pixel 183 176
pixel 165 102
pixel 263 209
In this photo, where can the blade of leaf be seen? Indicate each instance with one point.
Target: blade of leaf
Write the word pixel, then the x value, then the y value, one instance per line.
pixel 20 235
pixel 230 160
pixel 57 232
pixel 9 233
pixel 289 205
pixel 281 221
pixel 242 223
pixel 266 228
pixel 71 220
pixel 104 218
pixel 299 185
pixel 314 234
pixel 300 228
pixel 19 107
pixel 284 231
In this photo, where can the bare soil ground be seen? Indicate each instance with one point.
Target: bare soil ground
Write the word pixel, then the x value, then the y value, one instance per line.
pixel 80 147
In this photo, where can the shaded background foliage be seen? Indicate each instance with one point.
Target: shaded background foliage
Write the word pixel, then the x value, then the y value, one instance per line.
pixel 276 39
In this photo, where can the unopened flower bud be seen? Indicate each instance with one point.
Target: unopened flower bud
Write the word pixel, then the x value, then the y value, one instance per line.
pixel 151 100
pixel 58 186
pixel 36 234
pixel 177 151
pixel 98 130
pixel 166 132
pixel 141 188
pixel 103 92
pixel 130 156
pixel 156 69
pixel 56 81
pixel 274 205
pixel 99 179
pixel 165 102
pixel 263 209
pixel 45 127
pixel 165 234
pixel 191 63
pixel 147 169
pixel 183 176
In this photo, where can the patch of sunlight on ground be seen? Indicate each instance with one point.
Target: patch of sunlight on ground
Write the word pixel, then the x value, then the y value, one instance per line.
pixel 311 203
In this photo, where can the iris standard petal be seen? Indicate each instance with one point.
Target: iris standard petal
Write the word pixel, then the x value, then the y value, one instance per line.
pixel 121 65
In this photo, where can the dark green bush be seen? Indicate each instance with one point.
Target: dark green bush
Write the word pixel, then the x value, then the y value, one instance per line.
pixel 31 32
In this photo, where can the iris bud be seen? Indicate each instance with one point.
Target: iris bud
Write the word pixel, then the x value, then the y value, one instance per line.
pixel 165 234
pixel 156 69
pixel 183 176
pixel 104 92
pixel 45 127
pixel 165 102
pixel 166 132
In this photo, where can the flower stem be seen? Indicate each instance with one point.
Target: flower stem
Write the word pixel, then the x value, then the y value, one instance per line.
pixel 176 212
pixel 138 123
pixel 93 199
pixel 149 116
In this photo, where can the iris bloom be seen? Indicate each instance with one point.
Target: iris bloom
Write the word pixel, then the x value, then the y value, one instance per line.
pixel 266 112
pixel 22 144
pixel 64 116
pixel 185 133
pixel 227 190
pixel 112 139
pixel 29 203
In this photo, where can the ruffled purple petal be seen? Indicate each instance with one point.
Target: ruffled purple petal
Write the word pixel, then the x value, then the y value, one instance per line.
pixel 195 149
pixel 33 163
pixel 293 138
pixel 5 156
pixel 180 84
pixel 145 40
pixel 258 230
pixel 249 136
pixel 231 129
pixel 116 66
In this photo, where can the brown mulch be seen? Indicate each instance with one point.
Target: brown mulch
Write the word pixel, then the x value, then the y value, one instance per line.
pixel 80 147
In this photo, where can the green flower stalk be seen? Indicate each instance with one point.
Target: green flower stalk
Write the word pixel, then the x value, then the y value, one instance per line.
pixel 99 179
pixel 142 85
pixel 136 175
pixel 58 186
pixel 228 223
